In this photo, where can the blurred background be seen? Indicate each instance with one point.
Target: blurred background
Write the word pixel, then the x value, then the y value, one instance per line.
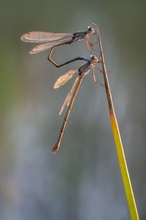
pixel 83 180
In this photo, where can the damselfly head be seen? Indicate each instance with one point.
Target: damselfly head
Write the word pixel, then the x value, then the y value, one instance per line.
pixel 94 59
pixel 91 30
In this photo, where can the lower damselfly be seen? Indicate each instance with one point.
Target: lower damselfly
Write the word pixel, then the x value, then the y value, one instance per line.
pixel 82 71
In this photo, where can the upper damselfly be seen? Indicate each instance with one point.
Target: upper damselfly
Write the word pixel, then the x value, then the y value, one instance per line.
pixel 82 71
pixel 51 40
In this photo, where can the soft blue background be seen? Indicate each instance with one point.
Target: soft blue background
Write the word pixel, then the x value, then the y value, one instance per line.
pixel 83 180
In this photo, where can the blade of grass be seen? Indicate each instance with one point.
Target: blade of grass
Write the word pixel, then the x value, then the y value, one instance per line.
pixel 118 142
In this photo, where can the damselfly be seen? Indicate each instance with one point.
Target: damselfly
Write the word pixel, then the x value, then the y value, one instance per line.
pixel 82 71
pixel 52 40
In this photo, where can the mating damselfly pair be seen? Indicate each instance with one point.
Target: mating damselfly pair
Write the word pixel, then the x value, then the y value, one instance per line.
pixel 50 40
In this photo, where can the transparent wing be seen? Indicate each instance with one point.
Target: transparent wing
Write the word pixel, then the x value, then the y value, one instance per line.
pixel 42 37
pixel 69 96
pixel 46 46
pixel 64 78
